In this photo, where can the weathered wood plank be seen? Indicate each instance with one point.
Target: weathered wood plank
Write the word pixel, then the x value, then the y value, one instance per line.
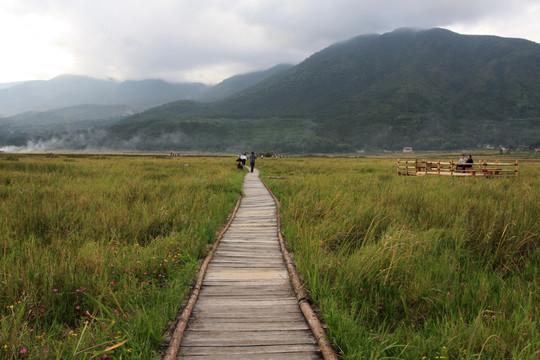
pixel 245 317
pixel 248 338
pixel 252 350
pixel 242 303
pixel 247 308
pixel 306 355
pixel 247 292
pixel 230 350
pixel 243 283
pixel 244 254
pixel 246 274
pixel 243 311
pixel 249 326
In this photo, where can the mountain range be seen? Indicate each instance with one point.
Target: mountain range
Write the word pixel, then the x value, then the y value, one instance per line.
pixel 430 89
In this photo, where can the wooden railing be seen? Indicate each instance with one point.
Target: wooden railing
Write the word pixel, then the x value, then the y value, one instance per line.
pixel 452 168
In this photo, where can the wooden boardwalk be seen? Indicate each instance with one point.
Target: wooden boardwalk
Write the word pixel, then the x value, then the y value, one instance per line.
pixel 247 308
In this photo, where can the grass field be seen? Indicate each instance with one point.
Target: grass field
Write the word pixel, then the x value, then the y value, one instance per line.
pixel 415 267
pixel 97 252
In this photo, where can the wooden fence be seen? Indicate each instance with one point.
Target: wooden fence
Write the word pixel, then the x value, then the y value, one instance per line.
pixel 452 168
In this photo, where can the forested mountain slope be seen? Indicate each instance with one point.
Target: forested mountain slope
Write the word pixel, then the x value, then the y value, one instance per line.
pixel 431 89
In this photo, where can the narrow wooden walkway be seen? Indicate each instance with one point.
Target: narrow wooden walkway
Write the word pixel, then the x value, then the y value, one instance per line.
pixel 247 308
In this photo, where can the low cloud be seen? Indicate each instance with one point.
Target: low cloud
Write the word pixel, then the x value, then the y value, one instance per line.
pixel 210 40
pixel 101 140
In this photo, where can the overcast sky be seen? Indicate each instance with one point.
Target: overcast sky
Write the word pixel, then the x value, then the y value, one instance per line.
pixel 210 40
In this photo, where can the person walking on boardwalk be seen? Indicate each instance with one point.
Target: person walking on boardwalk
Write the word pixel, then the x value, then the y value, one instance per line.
pixel 243 157
pixel 252 160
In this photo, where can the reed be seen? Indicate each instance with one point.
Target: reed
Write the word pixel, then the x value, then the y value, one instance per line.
pixel 98 252
pixel 415 267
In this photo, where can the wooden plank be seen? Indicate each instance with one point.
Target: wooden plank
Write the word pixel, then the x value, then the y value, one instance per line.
pixel 249 326
pixel 243 283
pixel 244 317
pixel 247 304
pixel 247 263
pixel 306 355
pixel 246 274
pixel 248 338
pixel 247 308
pixel 246 292
pixel 239 260
pixel 229 350
pixel 242 244
pixel 246 254
pixel 252 350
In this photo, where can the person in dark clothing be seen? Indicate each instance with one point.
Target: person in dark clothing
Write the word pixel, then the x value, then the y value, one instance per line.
pixel 239 165
pixel 252 160
pixel 468 163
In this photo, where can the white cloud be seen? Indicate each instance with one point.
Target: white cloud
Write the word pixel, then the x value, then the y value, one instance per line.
pixel 32 47
pixel 522 24
pixel 208 40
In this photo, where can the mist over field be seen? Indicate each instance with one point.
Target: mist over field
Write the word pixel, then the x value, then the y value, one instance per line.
pixel 100 140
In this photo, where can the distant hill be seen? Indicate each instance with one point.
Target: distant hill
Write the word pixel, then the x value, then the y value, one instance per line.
pixel 19 129
pixel 10 84
pixel 70 90
pixel 238 83
pixel 64 119
pixel 68 104
pixel 430 89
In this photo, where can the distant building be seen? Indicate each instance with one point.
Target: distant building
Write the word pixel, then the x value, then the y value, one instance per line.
pixel 407 149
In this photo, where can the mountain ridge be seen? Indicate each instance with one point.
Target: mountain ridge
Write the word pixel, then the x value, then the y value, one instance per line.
pixel 71 90
pixel 430 89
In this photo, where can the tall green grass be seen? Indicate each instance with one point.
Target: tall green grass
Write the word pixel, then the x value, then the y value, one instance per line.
pixel 97 252
pixel 415 267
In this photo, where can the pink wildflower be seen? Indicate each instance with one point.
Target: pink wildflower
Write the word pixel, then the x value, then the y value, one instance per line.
pixel 23 351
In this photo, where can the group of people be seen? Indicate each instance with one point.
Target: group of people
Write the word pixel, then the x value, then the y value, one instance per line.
pixel 464 163
pixel 242 159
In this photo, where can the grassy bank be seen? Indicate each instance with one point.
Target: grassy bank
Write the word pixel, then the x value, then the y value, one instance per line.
pixel 415 268
pixel 97 252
